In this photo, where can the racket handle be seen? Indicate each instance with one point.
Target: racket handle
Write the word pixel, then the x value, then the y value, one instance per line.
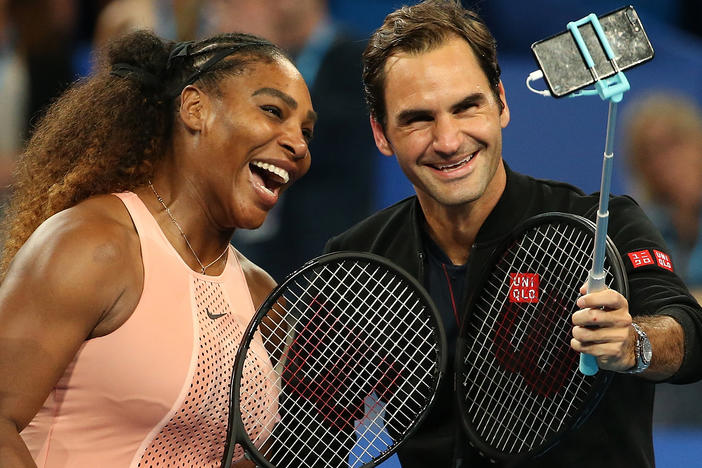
pixel 588 364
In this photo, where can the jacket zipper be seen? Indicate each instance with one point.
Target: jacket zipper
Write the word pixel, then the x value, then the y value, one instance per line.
pixel 420 275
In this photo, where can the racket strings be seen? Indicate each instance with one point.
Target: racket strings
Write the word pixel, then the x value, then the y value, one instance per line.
pixel 342 372
pixel 519 375
pixel 542 251
pixel 370 296
pixel 343 359
pixel 524 406
pixel 374 344
pixel 541 380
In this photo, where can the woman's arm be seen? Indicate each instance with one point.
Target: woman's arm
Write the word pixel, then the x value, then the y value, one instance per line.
pixel 74 279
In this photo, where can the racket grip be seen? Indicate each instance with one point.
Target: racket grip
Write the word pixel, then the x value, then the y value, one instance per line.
pixel 588 364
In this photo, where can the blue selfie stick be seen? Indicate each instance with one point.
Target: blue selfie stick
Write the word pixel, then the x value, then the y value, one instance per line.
pixel 611 89
pixel 596 276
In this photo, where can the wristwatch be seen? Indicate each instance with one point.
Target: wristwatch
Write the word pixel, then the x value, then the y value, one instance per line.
pixel 642 352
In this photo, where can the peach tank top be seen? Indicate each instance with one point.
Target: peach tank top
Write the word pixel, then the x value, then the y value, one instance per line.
pixel 155 392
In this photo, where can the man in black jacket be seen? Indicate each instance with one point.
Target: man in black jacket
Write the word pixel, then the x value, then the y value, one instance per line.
pixel 437 103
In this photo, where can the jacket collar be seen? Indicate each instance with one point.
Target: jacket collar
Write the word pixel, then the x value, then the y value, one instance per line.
pixel 511 209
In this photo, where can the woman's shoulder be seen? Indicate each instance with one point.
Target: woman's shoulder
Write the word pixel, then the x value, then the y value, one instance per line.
pixel 99 228
pixel 87 258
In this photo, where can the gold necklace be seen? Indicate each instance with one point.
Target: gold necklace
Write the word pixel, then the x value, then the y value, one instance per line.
pixel 187 242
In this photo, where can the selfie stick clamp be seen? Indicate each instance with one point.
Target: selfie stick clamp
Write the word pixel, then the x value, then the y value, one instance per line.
pixel 612 89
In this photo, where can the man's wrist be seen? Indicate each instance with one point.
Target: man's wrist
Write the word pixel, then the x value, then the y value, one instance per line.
pixel 642 351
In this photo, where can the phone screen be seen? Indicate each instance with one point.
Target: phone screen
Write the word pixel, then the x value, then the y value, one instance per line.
pixel 563 66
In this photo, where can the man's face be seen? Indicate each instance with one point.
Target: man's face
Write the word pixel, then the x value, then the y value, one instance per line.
pixel 444 123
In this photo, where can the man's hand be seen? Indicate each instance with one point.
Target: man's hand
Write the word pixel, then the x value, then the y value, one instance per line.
pixel 603 329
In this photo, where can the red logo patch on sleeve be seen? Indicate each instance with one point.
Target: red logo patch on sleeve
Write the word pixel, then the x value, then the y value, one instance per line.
pixel 523 287
pixel 640 258
pixel 663 260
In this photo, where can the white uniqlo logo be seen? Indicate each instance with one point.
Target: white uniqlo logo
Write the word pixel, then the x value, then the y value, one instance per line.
pixel 663 260
pixel 523 287
pixel 640 258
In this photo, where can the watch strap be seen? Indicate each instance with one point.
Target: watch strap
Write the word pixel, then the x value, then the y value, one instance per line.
pixel 641 340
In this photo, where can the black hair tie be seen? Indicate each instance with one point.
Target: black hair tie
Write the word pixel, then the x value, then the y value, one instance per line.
pixel 124 70
pixel 180 49
pixel 183 50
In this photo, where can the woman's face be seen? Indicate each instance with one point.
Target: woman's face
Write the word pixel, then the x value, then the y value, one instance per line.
pixel 254 142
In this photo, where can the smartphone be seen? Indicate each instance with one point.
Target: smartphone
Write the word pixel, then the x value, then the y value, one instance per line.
pixel 563 65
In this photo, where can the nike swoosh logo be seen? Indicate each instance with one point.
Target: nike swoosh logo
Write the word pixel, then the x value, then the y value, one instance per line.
pixel 213 316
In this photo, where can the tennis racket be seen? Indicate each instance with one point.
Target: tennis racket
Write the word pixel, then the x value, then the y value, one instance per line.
pixel 518 384
pixel 347 352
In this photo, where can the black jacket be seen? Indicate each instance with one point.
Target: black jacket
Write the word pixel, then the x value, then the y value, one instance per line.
pixel 618 433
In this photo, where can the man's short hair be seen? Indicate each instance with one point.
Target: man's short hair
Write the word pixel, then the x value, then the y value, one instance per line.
pixel 421 28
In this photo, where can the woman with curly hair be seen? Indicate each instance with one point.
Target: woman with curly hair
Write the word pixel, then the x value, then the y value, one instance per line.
pixel 123 302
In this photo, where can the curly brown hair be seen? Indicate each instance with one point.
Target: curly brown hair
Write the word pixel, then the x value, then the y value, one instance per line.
pixel 106 133
pixel 420 28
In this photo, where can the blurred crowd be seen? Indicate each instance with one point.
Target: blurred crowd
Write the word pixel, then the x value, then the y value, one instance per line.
pixel 663 136
pixel 47 44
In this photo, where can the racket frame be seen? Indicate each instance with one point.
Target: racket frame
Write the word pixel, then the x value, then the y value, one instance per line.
pixel 601 380
pixel 236 433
